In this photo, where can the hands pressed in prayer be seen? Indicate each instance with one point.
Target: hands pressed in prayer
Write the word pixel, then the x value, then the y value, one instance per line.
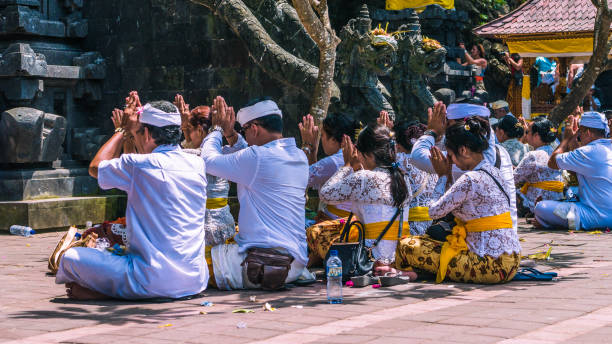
pixel 183 108
pixel 437 119
pixel 349 152
pixel 118 119
pixel 571 129
pixel 225 117
pixel 309 131
pixel 132 105
pixel 440 162
pixel 383 119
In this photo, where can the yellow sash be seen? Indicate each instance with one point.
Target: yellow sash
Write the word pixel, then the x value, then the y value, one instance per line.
pixel 338 212
pixel 418 214
pixel 216 203
pixel 373 230
pixel 455 243
pixel 552 185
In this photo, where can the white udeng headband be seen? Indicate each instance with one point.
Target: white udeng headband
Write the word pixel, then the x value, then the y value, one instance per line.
pixel 257 110
pixel 158 118
pixel 595 120
pixel 460 111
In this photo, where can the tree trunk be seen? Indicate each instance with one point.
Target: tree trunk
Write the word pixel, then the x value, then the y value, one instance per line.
pixel 602 43
pixel 265 52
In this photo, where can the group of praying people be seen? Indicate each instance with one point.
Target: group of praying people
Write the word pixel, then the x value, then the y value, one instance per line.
pixel 455 182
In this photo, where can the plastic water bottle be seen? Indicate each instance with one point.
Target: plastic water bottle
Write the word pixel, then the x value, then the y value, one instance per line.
pixel 334 278
pixel 22 230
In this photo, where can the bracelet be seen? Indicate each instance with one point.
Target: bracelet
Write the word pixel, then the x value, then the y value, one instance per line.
pixel 217 128
pixel 308 144
pixel 306 150
pixel 120 130
pixel 431 133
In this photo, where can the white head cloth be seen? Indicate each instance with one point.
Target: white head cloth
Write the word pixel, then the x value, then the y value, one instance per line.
pixel 258 110
pixel 595 120
pixel 460 111
pixel 158 118
pixel 499 104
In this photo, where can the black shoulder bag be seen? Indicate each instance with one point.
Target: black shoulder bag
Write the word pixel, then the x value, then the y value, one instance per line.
pixel 356 258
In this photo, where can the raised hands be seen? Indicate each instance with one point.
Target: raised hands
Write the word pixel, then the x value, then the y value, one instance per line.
pixel 132 106
pixel 183 108
pixel 223 116
pixel 383 119
pixel 349 152
pixel 437 119
pixel 571 128
pixel 118 119
pixel 309 132
pixel 441 163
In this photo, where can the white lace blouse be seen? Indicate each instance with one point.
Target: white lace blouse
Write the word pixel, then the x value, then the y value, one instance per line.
pixel 420 180
pixel 320 172
pixel 534 168
pixel 372 202
pixel 472 196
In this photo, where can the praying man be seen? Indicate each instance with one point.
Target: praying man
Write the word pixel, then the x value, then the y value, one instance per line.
pixel 166 205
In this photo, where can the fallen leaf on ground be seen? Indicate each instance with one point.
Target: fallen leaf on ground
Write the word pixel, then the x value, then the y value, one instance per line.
pixel 268 307
pixel 202 312
pixel 522 239
pixel 165 325
pixel 242 310
pixel 595 232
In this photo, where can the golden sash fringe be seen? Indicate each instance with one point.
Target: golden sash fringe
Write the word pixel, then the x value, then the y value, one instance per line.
pixel 338 212
pixel 373 230
pixel 216 203
pixel 455 243
pixel 419 214
pixel 552 185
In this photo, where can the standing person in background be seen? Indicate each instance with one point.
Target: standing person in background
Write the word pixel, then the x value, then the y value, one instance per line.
pixel 515 89
pixel 508 132
pixel 476 57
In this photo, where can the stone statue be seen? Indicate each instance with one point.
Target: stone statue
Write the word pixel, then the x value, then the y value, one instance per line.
pixel 359 64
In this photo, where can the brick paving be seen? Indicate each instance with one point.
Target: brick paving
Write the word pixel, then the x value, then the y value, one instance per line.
pixel 575 309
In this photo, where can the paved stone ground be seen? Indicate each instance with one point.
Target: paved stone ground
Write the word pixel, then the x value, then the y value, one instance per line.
pixel 575 309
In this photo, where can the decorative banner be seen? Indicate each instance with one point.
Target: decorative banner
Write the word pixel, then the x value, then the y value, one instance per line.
pixel 419 4
pixel 553 47
pixel 526 95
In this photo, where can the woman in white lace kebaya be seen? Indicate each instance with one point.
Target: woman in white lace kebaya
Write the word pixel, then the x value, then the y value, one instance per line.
pixel 539 181
pixel 372 181
pixel 483 247
pixel 509 131
pixel 335 126
pixel 422 183
pixel 219 225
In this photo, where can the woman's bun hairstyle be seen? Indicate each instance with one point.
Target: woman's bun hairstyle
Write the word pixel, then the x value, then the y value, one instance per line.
pixel 472 134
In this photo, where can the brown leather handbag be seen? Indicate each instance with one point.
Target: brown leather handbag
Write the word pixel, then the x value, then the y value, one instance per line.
pixel 267 267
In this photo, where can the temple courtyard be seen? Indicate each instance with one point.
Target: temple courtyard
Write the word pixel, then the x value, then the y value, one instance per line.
pixel 576 308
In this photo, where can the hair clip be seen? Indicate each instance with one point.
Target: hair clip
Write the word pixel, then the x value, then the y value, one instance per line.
pixel 392 142
pixel 395 165
pixel 358 130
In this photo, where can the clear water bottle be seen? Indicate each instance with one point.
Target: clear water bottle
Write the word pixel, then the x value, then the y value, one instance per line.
pixel 22 230
pixel 334 278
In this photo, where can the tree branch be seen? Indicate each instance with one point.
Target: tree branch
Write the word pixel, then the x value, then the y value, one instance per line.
pixel 311 22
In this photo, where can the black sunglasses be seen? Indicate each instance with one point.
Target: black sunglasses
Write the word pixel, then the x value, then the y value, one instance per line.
pixel 246 127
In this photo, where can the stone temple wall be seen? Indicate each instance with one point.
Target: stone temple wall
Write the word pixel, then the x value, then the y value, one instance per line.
pixel 164 47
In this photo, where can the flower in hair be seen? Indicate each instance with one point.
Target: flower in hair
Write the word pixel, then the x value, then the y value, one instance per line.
pixel 518 125
pixel 358 130
pixel 467 127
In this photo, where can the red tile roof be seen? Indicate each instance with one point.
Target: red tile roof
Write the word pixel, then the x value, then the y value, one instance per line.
pixel 543 16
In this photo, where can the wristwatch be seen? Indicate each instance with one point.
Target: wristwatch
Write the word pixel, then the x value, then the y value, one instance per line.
pixel 217 128
pixel 306 150
pixel 431 133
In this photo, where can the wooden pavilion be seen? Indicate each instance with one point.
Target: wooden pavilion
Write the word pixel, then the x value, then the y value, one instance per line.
pixel 557 29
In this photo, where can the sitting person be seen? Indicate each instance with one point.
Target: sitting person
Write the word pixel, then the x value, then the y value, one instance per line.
pixel 166 190
pixel 271 175
pixel 483 247
pixel 540 182
pixel 372 180
pixel 220 225
pixel 422 183
pixel 508 132
pixel 335 126
pixel 496 155
pixel 592 163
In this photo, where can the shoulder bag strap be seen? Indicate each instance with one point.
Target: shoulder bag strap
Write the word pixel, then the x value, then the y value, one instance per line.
pixel 498 185
pixel 347 228
pixel 382 234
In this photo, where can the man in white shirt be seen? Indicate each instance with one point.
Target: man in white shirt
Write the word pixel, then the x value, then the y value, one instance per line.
pixel 495 154
pixel 271 175
pixel 166 206
pixel 500 109
pixel 592 163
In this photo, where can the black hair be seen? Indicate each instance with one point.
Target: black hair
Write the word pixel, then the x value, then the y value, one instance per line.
pixel 405 132
pixel 511 126
pixel 598 132
pixel 376 139
pixel 469 134
pixel 336 125
pixel 168 135
pixel 272 123
pixel 257 100
pixel 544 128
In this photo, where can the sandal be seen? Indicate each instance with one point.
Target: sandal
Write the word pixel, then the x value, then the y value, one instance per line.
pixel 391 279
pixel 365 280
pixel 531 274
